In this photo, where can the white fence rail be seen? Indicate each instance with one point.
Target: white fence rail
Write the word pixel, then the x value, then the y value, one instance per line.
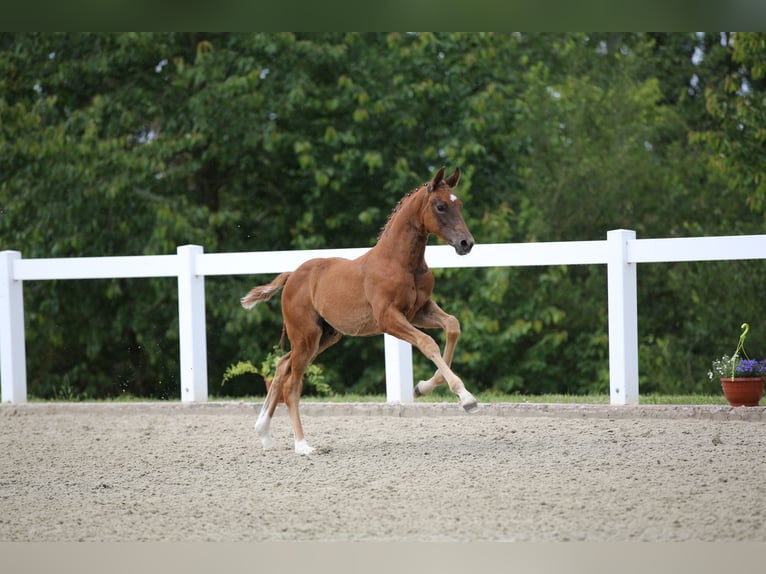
pixel 620 252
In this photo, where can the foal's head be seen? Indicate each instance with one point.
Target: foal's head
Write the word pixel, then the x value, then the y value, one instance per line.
pixel 443 212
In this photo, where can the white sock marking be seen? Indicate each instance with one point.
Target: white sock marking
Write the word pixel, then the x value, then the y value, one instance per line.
pixel 262 428
pixel 302 447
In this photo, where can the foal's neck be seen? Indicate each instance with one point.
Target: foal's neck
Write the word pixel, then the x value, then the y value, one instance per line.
pixel 404 237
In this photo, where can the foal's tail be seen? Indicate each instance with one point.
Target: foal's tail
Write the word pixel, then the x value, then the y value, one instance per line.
pixel 263 292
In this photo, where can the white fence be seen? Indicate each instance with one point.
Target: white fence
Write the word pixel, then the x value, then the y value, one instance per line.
pixel 620 252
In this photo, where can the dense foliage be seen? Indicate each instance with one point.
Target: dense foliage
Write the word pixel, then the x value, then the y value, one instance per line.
pixel 125 144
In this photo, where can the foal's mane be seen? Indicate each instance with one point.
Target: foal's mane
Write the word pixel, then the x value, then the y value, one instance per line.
pixel 399 206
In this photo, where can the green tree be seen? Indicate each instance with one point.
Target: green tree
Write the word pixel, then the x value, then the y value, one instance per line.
pixel 125 144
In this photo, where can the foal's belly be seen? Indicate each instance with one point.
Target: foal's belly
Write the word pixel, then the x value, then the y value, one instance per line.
pixel 348 314
pixel 338 296
pixel 363 327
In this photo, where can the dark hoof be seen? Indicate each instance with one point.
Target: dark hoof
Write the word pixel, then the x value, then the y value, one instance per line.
pixel 416 392
pixel 470 406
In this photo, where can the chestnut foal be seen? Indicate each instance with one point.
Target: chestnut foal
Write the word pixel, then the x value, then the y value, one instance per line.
pixel 386 290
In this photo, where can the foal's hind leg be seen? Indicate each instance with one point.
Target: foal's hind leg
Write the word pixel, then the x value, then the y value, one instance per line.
pixel 431 316
pixel 263 424
pixel 311 342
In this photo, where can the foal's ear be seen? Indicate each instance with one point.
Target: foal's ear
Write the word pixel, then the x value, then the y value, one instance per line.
pixel 436 180
pixel 454 179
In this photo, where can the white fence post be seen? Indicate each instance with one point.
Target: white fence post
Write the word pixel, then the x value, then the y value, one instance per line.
pixel 398 370
pixel 623 320
pixel 13 363
pixel 191 326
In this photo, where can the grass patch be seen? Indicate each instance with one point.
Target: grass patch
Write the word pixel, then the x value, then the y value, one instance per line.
pixel 654 399
pixel 440 396
pixel 495 397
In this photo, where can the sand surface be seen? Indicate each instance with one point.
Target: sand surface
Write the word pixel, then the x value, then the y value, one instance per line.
pixel 171 473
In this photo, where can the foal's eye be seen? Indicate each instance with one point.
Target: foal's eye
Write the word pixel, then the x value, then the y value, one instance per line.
pixel 441 208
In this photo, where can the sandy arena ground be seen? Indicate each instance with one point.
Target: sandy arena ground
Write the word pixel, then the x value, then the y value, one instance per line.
pixel 169 472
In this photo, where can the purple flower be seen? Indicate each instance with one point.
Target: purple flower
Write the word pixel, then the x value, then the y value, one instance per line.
pixel 751 368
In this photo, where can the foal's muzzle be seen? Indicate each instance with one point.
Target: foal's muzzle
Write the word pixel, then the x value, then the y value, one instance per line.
pixel 463 246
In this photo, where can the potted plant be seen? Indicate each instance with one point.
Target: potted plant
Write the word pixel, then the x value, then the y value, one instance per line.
pixel 315 379
pixel 741 377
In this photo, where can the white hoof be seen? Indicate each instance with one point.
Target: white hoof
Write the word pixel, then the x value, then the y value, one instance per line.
pixel 267 442
pixel 302 447
pixel 423 388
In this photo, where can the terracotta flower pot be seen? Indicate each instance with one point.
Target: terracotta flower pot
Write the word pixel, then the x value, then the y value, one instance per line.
pixel 742 391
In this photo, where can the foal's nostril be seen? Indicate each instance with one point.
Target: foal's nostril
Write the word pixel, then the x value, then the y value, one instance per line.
pixel 466 245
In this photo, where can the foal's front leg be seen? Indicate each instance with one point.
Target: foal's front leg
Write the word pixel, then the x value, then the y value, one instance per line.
pixel 431 316
pixel 394 323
